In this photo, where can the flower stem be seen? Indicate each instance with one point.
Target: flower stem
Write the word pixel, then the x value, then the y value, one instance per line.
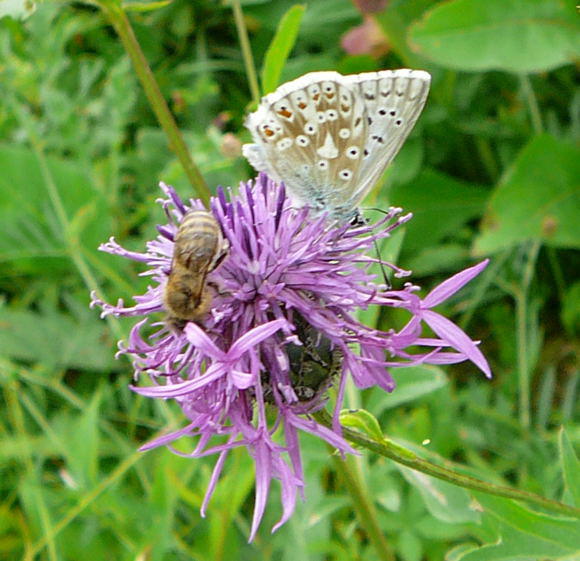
pixel 122 25
pixel 365 509
pixel 535 116
pixel 406 457
pixel 523 336
pixel 246 52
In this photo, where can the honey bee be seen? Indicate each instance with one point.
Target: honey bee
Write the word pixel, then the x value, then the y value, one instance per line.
pixel 199 247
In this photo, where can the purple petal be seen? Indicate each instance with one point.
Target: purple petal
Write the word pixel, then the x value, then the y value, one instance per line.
pixel 263 478
pixel 198 338
pixel 176 390
pixel 242 380
pixel 457 339
pixel 253 337
pixel 451 286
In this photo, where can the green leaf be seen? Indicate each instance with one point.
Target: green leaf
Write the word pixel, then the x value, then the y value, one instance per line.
pixel 570 467
pixel 499 35
pixel 280 47
pixel 413 382
pixel 83 452
pixel 538 198
pixel 571 309
pixel 33 236
pixel 440 206
pixel 31 337
pixel 363 421
pixel 526 535
pixel 145 6
pixel 444 501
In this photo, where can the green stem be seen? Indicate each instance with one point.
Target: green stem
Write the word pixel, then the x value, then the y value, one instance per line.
pixel 246 52
pixel 122 26
pixel 535 116
pixel 364 508
pixel 522 334
pixel 12 391
pixel 406 457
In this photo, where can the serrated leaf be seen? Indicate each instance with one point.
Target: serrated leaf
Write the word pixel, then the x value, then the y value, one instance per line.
pixel 362 420
pixel 538 199
pixel 499 35
pixel 570 467
pixel 280 47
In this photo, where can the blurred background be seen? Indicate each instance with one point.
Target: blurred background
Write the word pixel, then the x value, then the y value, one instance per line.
pixel 491 170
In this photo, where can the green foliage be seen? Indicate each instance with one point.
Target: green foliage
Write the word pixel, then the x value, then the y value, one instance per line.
pixel 506 35
pixel 539 198
pixel 280 48
pixel 491 170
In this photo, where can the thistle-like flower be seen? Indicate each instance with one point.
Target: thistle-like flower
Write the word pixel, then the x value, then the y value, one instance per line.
pixel 281 330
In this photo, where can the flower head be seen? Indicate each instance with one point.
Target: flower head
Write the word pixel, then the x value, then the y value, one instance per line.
pixel 282 328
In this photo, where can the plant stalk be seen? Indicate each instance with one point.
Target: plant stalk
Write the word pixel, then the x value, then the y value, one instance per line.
pixel 246 52
pixel 119 20
pixel 406 457
pixel 364 507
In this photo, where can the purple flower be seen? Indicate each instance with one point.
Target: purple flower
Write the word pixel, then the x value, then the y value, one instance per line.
pixel 281 330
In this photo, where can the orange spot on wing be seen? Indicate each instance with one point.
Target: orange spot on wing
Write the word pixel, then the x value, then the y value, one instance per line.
pixel 285 113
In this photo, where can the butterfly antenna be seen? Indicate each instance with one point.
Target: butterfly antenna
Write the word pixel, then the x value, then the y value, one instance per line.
pixel 385 277
pixel 359 220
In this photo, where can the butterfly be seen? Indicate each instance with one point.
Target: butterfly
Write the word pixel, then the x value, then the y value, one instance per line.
pixel 329 137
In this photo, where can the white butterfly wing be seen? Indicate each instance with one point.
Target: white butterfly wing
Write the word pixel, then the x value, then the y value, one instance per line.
pixel 393 100
pixel 329 137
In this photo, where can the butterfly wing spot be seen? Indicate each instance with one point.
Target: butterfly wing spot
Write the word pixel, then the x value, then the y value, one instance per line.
pixel 285 143
pixel 330 137
pixel 353 153
pixel 314 92
pixel 310 128
pixel 329 89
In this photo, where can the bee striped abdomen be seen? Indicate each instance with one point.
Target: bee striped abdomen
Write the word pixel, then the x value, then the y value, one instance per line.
pixel 197 241
pixel 198 248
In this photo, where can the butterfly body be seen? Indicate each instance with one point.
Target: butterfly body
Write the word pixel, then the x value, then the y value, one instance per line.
pixel 329 137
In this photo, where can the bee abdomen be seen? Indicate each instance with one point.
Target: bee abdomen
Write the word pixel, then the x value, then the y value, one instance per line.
pixel 197 240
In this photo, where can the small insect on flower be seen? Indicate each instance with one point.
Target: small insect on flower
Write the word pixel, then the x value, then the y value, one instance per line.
pixel 199 247
pixel 253 361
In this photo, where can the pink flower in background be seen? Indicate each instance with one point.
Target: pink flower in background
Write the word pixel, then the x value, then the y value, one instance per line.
pixel 281 331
